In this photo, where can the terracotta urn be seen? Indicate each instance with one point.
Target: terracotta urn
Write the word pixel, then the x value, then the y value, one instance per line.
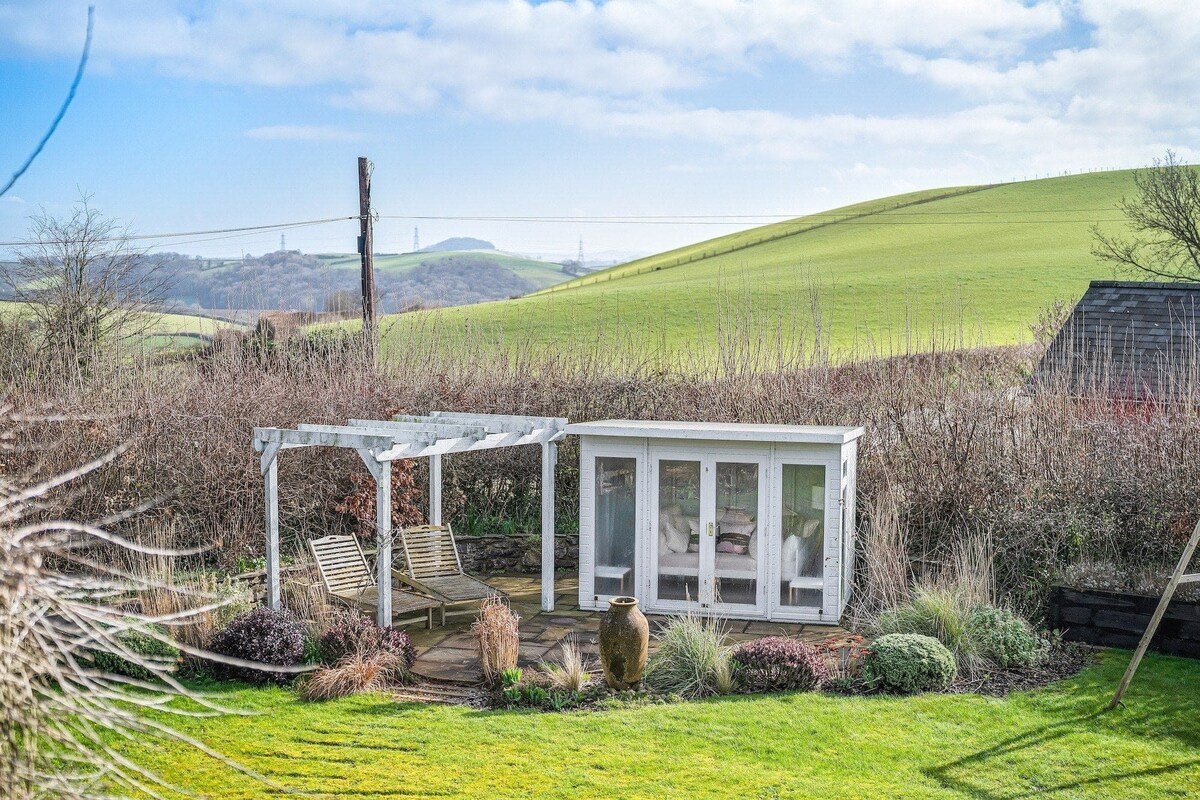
pixel 624 640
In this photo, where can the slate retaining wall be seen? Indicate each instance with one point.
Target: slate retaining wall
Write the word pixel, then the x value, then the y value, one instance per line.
pixel 1118 619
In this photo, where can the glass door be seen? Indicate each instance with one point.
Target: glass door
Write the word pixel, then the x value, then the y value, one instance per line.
pixel 734 558
pixel 615 526
pixel 678 529
pixel 706 522
pixel 801 532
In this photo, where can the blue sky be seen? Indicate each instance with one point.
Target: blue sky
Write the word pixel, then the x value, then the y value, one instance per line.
pixel 199 115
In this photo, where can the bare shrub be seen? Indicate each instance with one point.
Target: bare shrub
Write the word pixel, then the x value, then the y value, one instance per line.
pixel 1052 477
pixel 497 637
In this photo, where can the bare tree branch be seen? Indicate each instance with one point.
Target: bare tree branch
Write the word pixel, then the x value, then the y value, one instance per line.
pixel 85 285
pixel 1165 219
pixel 62 112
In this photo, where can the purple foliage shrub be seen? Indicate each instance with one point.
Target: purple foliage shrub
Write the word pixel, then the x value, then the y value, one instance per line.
pixel 262 635
pixel 352 632
pixel 777 663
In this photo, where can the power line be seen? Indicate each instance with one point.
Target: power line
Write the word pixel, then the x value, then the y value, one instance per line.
pixel 884 217
pixel 239 231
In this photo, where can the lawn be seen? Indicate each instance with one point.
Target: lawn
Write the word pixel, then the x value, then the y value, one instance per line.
pixel 976 260
pixel 1053 741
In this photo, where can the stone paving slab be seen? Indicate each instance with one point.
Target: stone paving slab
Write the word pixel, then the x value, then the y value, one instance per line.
pixel 447 654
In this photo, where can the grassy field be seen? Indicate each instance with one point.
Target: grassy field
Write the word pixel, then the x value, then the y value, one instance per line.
pixel 166 331
pixel 1052 742
pixel 976 260
pixel 540 273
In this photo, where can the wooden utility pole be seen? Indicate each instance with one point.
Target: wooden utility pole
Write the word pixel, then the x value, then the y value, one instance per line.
pixel 1180 575
pixel 366 248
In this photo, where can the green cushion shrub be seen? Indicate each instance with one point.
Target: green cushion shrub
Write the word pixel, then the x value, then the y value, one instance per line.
pixel 908 663
pixel 142 643
pixel 1003 638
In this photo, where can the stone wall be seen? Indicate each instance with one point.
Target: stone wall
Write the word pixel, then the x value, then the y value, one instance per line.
pixel 499 553
pixel 1118 619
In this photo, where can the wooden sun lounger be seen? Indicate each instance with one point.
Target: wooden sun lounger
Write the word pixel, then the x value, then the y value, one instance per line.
pixel 432 565
pixel 348 578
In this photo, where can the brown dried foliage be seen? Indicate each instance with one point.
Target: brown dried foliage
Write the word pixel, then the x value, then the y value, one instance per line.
pixel 1051 477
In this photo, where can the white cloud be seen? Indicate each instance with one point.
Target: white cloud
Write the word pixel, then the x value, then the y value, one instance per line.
pixel 634 68
pixel 303 133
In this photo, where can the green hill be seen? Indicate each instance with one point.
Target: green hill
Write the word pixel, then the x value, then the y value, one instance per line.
pixel 983 260
pixel 540 273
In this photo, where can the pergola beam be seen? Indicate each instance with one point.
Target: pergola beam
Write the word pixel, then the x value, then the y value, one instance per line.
pixel 353 438
pixel 443 430
pixel 502 423
pixel 379 442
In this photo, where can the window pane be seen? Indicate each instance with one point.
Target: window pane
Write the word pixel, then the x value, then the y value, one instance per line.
pixel 802 550
pixel 736 560
pixel 679 535
pixel 616 525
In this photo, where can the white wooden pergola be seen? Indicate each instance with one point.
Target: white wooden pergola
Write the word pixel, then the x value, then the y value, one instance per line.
pixel 380 442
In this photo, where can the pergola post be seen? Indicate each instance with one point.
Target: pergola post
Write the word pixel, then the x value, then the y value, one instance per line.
pixel 435 490
pixel 549 457
pixel 383 543
pixel 271 491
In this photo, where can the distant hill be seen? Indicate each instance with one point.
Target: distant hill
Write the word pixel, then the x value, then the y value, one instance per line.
pixel 457 243
pixel 289 280
pixel 983 260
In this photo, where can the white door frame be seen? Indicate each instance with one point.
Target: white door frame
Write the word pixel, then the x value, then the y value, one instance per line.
pixel 587 523
pixel 708 512
pixel 831 544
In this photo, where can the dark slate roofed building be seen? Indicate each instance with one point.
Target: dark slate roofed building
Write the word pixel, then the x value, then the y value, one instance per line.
pixel 1128 340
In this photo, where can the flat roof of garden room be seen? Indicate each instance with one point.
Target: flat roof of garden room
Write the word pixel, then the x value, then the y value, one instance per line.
pixel 721 431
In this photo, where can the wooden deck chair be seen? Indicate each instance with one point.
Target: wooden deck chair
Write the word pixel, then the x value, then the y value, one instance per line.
pixel 348 578
pixel 432 566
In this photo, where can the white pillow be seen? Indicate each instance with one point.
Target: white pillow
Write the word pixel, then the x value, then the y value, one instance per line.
pixel 672 532
pixel 789 556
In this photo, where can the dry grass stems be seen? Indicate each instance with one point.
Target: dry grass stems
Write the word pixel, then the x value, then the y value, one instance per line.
pixel 62 600
pixel 497 637
pixel 354 673
pixel 571 672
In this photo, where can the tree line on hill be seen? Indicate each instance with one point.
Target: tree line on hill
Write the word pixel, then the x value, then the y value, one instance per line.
pixel 291 280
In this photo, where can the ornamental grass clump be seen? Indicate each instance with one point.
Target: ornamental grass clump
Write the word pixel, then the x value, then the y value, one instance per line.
pixel 692 659
pixel 941 613
pixel 358 671
pixel 777 663
pixel 570 673
pixel 497 637
pixel 263 636
pixel 908 663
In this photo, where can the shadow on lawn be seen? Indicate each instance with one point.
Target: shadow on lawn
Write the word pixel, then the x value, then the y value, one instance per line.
pixel 1165 706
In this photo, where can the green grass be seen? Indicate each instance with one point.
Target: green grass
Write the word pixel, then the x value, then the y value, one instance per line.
pixel 540 273
pixel 166 331
pixel 1052 742
pixel 976 260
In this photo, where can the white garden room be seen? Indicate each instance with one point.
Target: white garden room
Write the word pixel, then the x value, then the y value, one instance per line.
pixel 746 521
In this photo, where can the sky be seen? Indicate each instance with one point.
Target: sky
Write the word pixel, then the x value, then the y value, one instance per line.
pixel 200 115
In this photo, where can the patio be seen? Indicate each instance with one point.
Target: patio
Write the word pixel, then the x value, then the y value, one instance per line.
pixel 447 654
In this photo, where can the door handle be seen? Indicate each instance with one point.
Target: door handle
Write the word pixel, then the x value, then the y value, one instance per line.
pixel 710 529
